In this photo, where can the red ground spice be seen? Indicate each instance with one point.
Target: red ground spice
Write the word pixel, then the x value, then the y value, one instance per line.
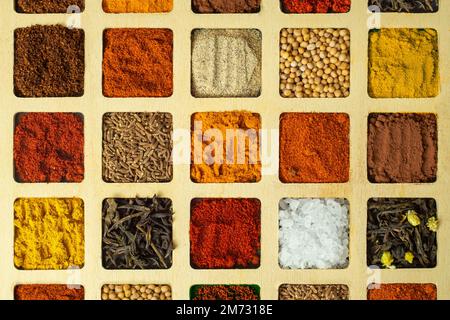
pixel 404 291
pixel 221 292
pixel 49 147
pixel 47 292
pixel 225 233
pixel 316 6
pixel 314 148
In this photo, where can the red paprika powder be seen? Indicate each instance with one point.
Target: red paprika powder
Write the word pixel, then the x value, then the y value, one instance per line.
pixel 225 292
pixel 314 147
pixel 405 291
pixel 48 147
pixel 225 233
pixel 48 292
pixel 316 6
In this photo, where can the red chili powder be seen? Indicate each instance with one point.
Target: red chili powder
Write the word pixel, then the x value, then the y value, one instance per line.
pixel 316 6
pixel 49 147
pixel 47 292
pixel 221 292
pixel 225 233
pixel 406 291
pixel 314 148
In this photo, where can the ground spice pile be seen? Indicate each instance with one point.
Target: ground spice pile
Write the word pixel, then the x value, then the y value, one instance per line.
pixel 225 233
pixel 137 63
pixel 226 6
pixel 137 147
pixel 48 62
pixel 402 148
pixel 404 291
pixel 313 292
pixel 403 63
pixel 314 63
pixel 413 6
pixel 314 233
pixel 47 6
pixel 49 147
pixel 137 6
pixel 136 292
pixel 226 147
pixel 401 233
pixel 314 148
pixel 48 233
pixel 48 292
pixel 226 63
pixel 225 292
pixel 315 6
pixel 137 233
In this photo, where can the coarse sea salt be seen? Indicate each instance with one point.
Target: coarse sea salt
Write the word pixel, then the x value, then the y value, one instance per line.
pixel 313 233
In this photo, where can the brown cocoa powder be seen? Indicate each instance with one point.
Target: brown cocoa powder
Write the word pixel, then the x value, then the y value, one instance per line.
pixel 402 148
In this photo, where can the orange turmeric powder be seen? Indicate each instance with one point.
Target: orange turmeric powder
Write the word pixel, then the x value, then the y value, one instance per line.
pixel 225 147
pixel 137 6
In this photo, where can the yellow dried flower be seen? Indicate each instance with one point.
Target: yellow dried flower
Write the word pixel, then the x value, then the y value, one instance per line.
pixel 413 218
pixel 409 256
pixel 433 224
pixel 387 259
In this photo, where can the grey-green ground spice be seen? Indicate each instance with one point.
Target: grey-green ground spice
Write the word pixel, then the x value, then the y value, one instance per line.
pixel 137 147
pixel 313 292
pixel 226 63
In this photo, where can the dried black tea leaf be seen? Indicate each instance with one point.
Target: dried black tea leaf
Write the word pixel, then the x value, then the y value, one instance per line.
pixel 401 233
pixel 137 233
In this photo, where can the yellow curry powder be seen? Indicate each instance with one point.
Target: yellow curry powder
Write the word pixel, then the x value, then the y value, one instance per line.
pixel 144 6
pixel 49 233
pixel 403 63
pixel 225 147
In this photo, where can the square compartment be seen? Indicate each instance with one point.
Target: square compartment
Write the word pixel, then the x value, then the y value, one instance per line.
pixel 403 63
pixel 313 233
pixel 314 63
pixel 48 62
pixel 226 6
pixel 226 63
pixel 51 292
pixel 137 233
pixel 136 292
pixel 315 6
pixel 137 63
pixel 48 233
pixel 402 291
pixel 402 148
pixel 417 6
pixel 137 6
pixel 48 147
pixel 229 292
pixel 313 292
pixel 49 6
pixel 226 147
pixel 314 148
pixel 225 233
pixel 137 147
pixel 401 233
